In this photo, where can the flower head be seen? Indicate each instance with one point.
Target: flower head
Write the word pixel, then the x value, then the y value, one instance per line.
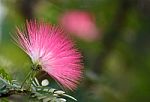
pixel 49 48
pixel 81 24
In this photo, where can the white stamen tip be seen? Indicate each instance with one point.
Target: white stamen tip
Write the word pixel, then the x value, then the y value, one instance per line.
pixel 45 82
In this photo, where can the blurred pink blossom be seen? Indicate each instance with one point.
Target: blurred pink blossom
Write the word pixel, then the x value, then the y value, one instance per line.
pixel 50 48
pixel 80 23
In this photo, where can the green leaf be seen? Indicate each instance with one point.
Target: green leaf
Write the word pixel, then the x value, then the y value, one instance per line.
pixel 5 76
pixel 48 94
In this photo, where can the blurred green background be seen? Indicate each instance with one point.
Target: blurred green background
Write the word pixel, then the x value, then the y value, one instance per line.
pixel 116 65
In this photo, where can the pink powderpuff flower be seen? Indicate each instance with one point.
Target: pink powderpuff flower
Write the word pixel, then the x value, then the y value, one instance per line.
pixel 80 23
pixel 50 48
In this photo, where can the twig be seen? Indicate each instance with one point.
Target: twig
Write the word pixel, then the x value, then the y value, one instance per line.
pixel 15 92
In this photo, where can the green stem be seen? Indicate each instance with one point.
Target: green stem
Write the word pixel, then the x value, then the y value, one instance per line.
pixel 31 77
pixel 28 75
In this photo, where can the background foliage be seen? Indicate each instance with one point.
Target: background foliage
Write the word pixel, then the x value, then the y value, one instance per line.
pixel 116 67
